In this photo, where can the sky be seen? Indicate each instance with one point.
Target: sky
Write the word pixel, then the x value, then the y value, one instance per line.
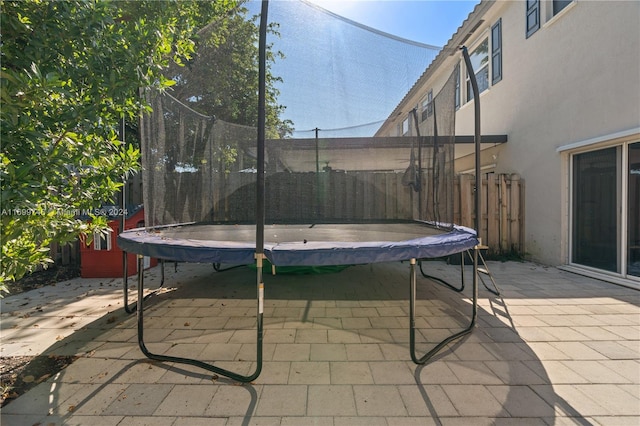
pixel 343 78
pixel 427 21
pixel 431 22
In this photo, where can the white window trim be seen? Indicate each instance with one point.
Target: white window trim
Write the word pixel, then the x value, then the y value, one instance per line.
pixel 485 36
pixel 550 17
pixel 406 132
pixel 98 237
pixel 464 77
pixel 609 139
pixel 425 107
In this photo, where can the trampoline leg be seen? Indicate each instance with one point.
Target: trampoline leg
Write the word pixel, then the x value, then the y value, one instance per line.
pixel 443 282
pixel 125 279
pixel 412 322
pixel 201 364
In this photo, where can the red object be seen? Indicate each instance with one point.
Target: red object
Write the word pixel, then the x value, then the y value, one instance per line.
pixel 103 259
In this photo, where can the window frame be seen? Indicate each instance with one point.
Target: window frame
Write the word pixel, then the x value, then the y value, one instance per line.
pixel 622 144
pixel 558 6
pixel 427 106
pixel 100 241
pixel 458 96
pixel 469 92
pixel 405 127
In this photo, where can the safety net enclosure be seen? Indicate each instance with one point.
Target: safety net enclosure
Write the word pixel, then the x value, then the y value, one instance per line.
pixel 333 191
pixel 332 89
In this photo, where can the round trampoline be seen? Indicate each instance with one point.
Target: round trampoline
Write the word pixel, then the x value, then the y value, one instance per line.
pixel 224 192
pixel 300 244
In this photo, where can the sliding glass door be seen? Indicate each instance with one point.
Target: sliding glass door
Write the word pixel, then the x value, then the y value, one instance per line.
pixel 595 203
pixel 633 210
pixel 605 219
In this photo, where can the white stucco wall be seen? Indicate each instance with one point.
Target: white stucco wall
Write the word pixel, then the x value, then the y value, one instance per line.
pixel 576 78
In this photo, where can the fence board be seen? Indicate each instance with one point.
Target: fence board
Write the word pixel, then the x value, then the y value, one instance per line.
pixel 492 237
pixel 517 214
pixel 504 215
pixel 466 200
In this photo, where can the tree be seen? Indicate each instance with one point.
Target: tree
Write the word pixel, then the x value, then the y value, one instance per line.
pixel 222 79
pixel 71 71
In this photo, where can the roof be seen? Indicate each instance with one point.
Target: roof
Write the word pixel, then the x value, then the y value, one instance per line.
pixel 464 31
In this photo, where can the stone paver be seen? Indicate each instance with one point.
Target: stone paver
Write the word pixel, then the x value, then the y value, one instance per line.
pixel 555 348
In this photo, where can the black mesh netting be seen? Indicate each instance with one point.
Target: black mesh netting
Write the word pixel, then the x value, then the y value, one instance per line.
pixel 327 159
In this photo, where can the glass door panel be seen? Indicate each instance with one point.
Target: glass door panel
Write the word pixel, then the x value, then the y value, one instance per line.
pixel 633 211
pixel 595 201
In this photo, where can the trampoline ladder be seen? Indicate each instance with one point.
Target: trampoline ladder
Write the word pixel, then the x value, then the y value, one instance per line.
pixel 484 270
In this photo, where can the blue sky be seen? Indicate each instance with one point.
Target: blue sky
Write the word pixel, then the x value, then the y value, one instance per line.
pixel 427 21
pixel 345 79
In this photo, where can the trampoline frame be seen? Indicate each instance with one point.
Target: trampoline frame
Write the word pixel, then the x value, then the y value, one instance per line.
pixel 138 307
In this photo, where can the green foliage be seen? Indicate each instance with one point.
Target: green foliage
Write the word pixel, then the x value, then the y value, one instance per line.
pixel 223 79
pixel 71 71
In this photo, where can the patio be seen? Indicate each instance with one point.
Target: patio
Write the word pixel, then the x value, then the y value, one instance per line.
pixel 555 348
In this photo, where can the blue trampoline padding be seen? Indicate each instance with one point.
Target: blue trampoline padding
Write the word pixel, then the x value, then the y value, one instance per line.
pixel 292 245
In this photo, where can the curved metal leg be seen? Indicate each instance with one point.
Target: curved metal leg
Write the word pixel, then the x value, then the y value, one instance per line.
pixel 201 364
pixel 412 322
pixel 218 267
pixel 445 283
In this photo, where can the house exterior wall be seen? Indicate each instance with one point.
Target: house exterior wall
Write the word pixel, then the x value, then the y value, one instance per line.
pixel 576 78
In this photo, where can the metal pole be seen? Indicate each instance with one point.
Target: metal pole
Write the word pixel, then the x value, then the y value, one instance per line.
pixel 259 236
pixel 260 202
pixel 418 182
pixel 125 260
pixel 476 105
pixel 474 297
pixel 317 152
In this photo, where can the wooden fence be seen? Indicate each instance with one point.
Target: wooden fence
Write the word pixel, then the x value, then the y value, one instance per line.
pixel 502 211
pixel 337 196
pixel 365 196
pixel 65 254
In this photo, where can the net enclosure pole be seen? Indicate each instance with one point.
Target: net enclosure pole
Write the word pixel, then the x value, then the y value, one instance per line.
pixel 474 297
pixel 259 250
pixel 125 263
pixel 260 181
pixel 478 198
pixel 477 140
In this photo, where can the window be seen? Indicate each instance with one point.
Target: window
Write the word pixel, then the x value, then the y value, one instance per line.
pixel 102 242
pixel 427 105
pixel 457 88
pixel 405 126
pixel 480 62
pixel 558 5
pixel 532 16
pixel 496 52
pixel 486 59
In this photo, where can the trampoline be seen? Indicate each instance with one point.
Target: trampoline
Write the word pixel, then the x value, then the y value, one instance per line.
pixel 301 244
pixel 222 193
